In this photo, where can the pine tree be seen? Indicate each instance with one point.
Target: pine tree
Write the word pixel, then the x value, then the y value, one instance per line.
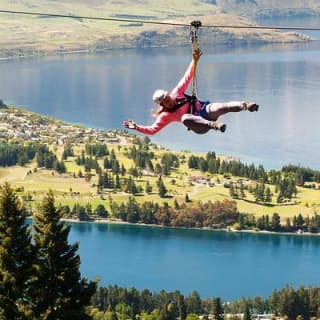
pixel 180 305
pixel 162 188
pixel 275 222
pixel 148 187
pixel 123 170
pixel 16 258
pixel 232 190
pixel 101 211
pixel 176 204
pixel 117 183
pixel 247 313
pixel 59 291
pixel 242 192
pixel 268 195
pixel 288 224
pixel 217 309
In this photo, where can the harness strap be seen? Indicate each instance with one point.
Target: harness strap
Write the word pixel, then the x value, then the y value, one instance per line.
pixel 192 100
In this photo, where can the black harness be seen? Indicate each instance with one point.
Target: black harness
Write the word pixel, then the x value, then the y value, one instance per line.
pixel 182 101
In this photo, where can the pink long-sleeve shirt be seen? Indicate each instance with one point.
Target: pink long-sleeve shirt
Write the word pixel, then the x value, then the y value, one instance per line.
pixel 165 117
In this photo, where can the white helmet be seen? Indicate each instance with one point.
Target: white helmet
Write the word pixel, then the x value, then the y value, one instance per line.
pixel 159 95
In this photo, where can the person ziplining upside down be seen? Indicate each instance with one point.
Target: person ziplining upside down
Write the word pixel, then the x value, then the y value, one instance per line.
pixel 198 116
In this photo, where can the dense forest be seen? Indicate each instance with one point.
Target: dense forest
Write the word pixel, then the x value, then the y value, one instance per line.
pixel 17 154
pixel 214 215
pixel 114 302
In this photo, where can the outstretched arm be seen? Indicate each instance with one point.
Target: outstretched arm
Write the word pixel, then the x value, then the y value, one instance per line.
pixel 162 120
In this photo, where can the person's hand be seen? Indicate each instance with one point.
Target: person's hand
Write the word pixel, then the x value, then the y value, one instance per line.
pixel 196 54
pixel 130 124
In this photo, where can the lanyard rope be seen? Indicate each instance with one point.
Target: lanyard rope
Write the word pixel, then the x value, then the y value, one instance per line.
pixel 194 26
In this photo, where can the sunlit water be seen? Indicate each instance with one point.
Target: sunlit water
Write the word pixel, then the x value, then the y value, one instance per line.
pixel 103 90
pixel 229 265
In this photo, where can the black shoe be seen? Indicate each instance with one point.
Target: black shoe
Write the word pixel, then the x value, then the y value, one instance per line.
pixel 223 127
pixel 251 106
pixel 218 126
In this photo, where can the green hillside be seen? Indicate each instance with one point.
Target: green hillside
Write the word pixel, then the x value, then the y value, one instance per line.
pixel 138 162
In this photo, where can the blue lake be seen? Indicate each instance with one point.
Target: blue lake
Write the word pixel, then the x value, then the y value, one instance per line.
pixel 103 90
pixel 229 265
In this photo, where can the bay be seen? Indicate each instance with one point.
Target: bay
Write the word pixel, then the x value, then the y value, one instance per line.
pixel 102 90
pixel 215 263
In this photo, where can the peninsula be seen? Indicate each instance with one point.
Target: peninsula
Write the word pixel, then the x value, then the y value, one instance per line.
pixel 99 174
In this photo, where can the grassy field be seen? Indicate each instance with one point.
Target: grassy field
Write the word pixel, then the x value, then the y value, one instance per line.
pixel 70 189
pixel 75 186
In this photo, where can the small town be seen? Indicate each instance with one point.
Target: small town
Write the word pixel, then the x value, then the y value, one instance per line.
pixel 16 123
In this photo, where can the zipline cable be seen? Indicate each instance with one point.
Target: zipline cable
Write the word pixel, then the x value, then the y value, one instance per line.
pixel 154 22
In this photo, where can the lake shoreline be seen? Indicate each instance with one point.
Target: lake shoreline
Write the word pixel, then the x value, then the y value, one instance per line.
pixel 24 54
pixel 231 230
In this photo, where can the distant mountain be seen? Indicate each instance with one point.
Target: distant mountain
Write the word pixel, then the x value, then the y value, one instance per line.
pixel 251 8
pixel 269 8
